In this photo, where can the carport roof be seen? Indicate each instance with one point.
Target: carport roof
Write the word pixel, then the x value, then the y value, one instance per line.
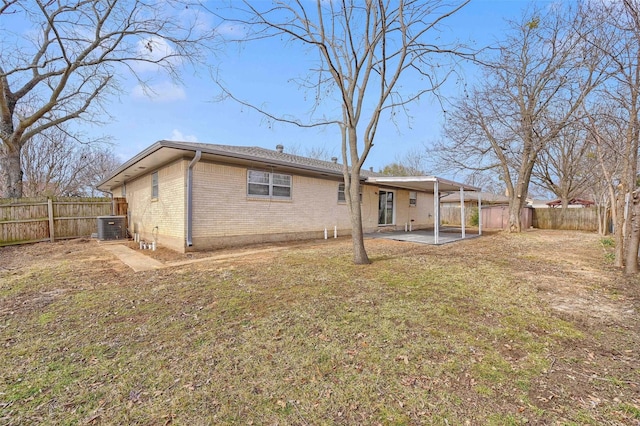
pixel 420 183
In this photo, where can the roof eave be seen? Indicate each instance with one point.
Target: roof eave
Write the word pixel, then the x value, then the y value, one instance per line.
pixel 391 180
pixel 129 163
pixel 216 152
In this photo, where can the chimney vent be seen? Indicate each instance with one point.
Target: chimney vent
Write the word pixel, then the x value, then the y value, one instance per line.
pixel 334 160
pixel 280 148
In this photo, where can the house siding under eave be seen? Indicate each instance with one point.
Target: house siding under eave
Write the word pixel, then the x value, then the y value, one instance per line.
pixel 225 213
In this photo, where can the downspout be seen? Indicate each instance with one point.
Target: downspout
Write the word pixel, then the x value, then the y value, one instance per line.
pixel 436 212
pixel 479 212
pixel 113 204
pixel 463 219
pixel 190 197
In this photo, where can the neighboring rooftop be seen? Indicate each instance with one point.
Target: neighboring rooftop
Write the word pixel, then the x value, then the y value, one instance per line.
pixel 572 202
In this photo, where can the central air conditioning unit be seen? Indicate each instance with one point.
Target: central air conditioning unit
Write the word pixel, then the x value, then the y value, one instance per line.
pixel 112 227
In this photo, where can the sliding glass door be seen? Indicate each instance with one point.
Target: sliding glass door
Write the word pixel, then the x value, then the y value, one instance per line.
pixel 385 208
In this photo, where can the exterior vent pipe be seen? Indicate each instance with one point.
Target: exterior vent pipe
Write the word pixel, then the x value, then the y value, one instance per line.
pixel 190 197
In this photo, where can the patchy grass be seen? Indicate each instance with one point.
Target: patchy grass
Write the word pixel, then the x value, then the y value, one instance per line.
pixel 608 242
pixel 469 333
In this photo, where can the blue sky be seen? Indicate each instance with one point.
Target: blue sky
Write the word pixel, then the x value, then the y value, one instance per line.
pixel 189 112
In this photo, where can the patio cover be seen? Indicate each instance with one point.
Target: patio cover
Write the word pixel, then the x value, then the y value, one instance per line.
pixel 429 184
pixel 433 185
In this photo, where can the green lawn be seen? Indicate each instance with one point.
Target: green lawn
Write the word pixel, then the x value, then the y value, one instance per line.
pixel 458 334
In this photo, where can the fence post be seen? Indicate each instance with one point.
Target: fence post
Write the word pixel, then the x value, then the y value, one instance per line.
pixel 50 211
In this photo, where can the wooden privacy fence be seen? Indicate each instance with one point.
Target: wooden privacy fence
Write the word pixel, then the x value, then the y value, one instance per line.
pixel 450 214
pixel 28 220
pixel 583 219
pixel 497 216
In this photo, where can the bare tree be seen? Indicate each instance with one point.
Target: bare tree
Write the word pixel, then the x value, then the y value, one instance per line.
pixel 66 65
pixel 54 164
pixel 317 152
pixel 530 91
pixel 626 60
pixel 103 161
pixel 364 51
pixel 411 163
pixel 399 169
pixel 619 41
pixel 566 166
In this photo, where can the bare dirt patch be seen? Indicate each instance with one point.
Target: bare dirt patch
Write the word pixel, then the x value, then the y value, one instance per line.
pixel 571 271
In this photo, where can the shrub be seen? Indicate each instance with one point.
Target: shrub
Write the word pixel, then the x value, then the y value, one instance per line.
pixel 475 217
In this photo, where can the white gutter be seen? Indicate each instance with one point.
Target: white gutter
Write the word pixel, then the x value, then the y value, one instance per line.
pixel 193 162
pixel 421 183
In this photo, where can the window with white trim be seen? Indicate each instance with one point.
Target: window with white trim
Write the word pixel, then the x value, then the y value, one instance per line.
pixel 413 198
pixel 342 198
pixel 266 184
pixel 154 185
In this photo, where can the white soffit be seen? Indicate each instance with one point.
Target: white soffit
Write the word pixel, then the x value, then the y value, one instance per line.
pixel 420 183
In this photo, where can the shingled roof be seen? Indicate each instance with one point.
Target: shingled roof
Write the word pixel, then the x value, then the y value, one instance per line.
pixel 266 155
pixel 164 151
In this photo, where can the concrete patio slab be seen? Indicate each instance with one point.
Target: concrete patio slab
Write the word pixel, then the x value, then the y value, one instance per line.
pixel 133 259
pixel 138 261
pixel 422 236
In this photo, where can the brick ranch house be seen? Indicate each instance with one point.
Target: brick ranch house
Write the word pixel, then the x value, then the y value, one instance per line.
pixel 195 196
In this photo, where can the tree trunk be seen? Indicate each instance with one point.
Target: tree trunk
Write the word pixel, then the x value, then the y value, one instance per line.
pixel 602 213
pixel 360 256
pixel 518 199
pixel 633 243
pixel 619 228
pixel 11 170
pixel 514 216
pixel 563 212
pixel 516 204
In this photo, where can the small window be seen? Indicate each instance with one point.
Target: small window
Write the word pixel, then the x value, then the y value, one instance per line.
pixel 258 183
pixel 413 198
pixel 265 184
pixel 154 185
pixel 342 198
pixel 280 185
